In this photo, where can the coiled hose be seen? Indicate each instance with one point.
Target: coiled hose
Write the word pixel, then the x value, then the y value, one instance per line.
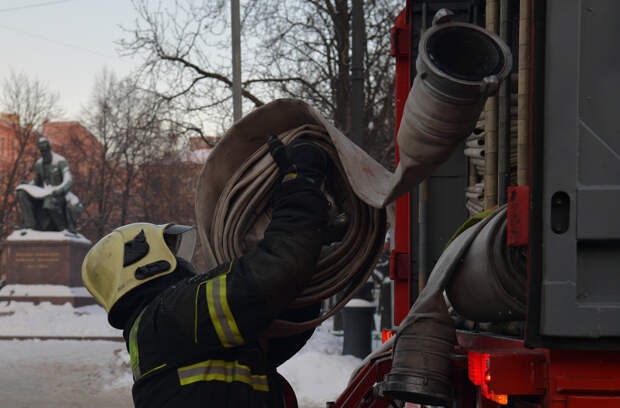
pixel 241 215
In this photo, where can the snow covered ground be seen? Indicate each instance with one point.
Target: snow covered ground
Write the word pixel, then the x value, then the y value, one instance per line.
pixel 60 373
pixel 66 373
pixel 25 319
pixel 318 373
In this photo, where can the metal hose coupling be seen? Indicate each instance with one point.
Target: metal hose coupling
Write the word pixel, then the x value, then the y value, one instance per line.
pixel 458 67
pixel 422 365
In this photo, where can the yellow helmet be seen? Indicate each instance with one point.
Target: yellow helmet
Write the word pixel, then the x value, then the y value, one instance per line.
pixel 132 255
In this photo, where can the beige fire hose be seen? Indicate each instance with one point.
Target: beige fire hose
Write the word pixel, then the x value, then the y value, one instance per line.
pixel 232 202
pixel 241 215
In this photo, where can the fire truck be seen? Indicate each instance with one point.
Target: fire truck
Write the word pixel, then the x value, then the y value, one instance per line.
pixel 534 292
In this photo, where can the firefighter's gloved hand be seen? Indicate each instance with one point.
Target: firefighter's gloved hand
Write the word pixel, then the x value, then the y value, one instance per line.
pixel 300 157
pixel 304 159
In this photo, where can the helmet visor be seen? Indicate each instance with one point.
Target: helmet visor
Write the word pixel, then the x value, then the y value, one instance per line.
pixel 181 239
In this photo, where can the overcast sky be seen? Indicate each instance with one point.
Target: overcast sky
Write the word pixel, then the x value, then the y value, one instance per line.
pixel 64 43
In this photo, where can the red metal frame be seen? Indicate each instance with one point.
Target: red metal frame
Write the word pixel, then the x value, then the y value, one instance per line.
pixel 549 378
pixel 518 215
pixel 359 393
pixel 400 259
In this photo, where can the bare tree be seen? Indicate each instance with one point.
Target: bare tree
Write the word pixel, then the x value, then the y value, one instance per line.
pixel 27 102
pixel 140 138
pixel 133 137
pixel 306 49
pixel 290 48
pixel 178 43
pixel 99 119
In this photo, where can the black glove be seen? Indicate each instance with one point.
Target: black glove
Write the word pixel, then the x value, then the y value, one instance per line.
pixel 306 159
pixel 300 157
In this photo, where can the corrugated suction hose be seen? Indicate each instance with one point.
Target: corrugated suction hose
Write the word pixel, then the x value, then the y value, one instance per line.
pixel 495 273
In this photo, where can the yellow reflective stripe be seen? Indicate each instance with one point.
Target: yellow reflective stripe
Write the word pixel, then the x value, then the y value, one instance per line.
pixel 196 313
pixel 221 317
pixel 153 370
pixel 211 306
pixel 229 316
pixel 134 353
pixel 289 176
pixel 225 371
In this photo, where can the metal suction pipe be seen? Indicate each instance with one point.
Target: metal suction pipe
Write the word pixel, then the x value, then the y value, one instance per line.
pixel 459 66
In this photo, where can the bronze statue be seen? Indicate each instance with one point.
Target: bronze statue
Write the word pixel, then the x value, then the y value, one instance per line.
pixel 46 202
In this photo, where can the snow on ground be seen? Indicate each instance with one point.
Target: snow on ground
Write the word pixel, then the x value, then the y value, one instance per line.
pixel 61 373
pixel 46 319
pixel 318 373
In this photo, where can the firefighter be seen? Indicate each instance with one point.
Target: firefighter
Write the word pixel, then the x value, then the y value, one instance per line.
pixel 194 339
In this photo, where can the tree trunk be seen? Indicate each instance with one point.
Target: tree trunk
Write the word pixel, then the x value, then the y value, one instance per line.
pixel 342 84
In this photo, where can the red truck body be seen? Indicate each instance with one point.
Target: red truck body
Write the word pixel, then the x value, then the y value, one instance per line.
pixel 492 370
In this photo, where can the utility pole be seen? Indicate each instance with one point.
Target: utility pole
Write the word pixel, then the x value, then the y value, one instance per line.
pixel 236 58
pixel 357 73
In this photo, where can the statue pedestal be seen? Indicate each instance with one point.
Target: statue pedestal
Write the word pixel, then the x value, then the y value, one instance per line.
pixel 46 258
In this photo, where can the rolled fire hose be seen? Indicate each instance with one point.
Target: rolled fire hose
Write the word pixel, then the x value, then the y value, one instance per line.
pixel 241 216
pixel 459 65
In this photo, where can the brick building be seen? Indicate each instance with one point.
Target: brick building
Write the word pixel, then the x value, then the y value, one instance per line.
pixel 70 136
pixel 8 146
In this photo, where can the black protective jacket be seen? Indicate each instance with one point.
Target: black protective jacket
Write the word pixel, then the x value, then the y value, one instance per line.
pixel 196 343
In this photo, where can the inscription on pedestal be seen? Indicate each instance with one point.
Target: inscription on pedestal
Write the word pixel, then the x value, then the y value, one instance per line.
pixel 52 262
pixel 37 260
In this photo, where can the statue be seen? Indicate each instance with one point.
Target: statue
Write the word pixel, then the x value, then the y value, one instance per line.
pixel 46 202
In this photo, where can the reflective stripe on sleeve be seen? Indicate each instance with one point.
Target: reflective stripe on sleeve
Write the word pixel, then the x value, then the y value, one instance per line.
pixel 219 311
pixel 196 312
pixel 134 353
pixel 219 370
